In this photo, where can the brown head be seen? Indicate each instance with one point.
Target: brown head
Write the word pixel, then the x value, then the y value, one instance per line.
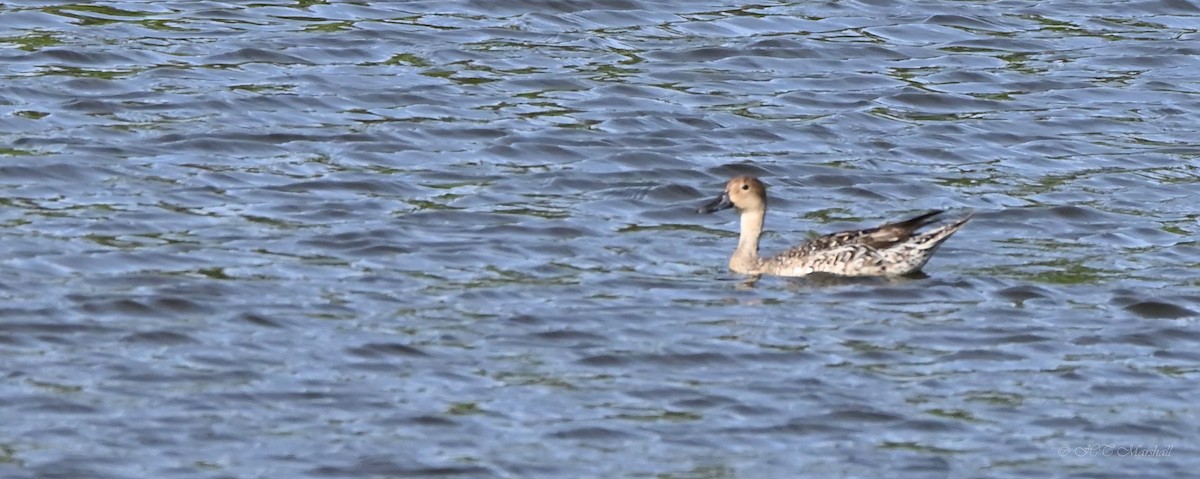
pixel 744 193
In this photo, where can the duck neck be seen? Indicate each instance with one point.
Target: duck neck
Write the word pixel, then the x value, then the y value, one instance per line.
pixel 745 258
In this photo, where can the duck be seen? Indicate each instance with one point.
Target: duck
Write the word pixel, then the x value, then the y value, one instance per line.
pixel 890 250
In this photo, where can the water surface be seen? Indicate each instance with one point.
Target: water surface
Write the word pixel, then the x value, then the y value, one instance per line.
pixel 436 239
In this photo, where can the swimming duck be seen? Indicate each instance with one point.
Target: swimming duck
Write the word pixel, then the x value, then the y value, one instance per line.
pixel 888 250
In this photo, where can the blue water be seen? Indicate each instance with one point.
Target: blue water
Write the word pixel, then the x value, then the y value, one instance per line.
pixel 459 239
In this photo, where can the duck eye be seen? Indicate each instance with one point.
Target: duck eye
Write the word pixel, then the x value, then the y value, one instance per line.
pixel 745 187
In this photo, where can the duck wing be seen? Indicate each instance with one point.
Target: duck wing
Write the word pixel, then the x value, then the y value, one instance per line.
pixel 880 237
pixel 890 249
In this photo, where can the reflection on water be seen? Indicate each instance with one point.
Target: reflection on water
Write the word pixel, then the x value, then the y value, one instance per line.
pixel 312 239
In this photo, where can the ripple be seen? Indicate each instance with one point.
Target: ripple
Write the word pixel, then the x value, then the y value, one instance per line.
pixel 1157 309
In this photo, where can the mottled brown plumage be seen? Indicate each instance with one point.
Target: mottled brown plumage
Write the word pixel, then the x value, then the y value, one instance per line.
pixel 889 250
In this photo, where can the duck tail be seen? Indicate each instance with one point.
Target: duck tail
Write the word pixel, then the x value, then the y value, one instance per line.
pixel 917 250
pixel 934 238
pixel 907 226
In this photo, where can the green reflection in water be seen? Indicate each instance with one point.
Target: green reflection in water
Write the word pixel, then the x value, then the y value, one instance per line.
pixel 829 215
pixel 423 205
pixel 54 388
pixel 100 9
pixel 112 241
pixel 530 379
pixel 716 471
pixel 405 59
pixel 84 73
pixel 8 455
pixel 16 152
pixel 164 25
pixel 81 13
pixel 270 221
pixel 33 41
pixel 463 409
pixel 669 416
pixel 32 115
pixel 959 414
pixel 905 116
pixel 435 73
pixel 285 87
pixel 996 398
pixel 214 273
pixel 553 110
pixel 913 446
pixel 548 214
pixel 635 228
pixel 1071 274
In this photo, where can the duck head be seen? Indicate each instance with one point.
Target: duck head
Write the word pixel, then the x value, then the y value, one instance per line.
pixel 746 193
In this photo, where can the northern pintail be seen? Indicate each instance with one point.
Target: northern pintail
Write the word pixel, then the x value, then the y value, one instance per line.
pixel 889 250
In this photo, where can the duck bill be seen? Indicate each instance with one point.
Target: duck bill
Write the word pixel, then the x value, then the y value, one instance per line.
pixel 721 203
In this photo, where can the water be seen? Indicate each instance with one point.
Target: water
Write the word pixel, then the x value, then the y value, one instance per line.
pixel 434 239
